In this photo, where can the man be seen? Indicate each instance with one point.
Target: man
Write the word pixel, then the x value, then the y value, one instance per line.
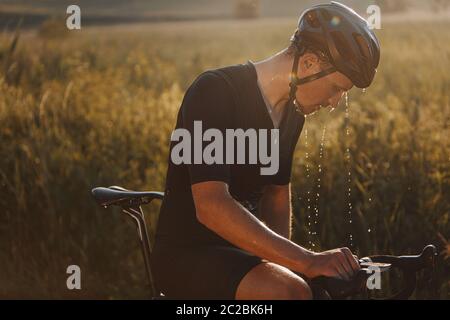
pixel 224 229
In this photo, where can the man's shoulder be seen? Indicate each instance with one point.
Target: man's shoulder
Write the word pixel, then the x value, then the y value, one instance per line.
pixel 218 83
pixel 217 91
pixel 235 69
pixel 211 94
pixel 222 75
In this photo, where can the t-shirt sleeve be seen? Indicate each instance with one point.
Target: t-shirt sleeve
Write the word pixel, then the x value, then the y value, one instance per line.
pixel 208 104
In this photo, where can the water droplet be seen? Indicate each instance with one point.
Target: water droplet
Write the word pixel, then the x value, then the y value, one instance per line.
pixel 348 162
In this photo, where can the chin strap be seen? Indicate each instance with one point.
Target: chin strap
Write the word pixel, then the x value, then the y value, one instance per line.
pixel 295 81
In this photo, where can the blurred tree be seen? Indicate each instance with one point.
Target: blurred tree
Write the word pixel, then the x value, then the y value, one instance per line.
pixel 389 6
pixel 246 9
pixel 53 27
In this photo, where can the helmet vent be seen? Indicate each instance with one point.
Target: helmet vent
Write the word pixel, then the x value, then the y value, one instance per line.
pixel 313 21
pixel 326 15
pixel 362 45
pixel 342 46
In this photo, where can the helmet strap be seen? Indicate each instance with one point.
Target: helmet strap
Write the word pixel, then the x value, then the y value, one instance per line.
pixel 294 78
pixel 295 81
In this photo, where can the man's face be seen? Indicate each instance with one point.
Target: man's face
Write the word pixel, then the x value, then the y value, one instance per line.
pixel 323 92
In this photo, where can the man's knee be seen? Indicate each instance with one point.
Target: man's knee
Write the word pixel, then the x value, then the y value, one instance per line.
pixel 271 281
pixel 297 290
pixel 291 286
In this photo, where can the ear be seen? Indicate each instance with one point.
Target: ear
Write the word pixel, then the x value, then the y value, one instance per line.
pixel 308 61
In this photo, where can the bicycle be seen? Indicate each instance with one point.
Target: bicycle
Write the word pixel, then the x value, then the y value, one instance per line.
pixel 323 287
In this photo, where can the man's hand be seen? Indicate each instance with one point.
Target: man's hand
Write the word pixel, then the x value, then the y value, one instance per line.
pixel 336 263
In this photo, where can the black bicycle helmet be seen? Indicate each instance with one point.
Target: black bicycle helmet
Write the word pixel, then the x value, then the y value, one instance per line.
pixel 344 36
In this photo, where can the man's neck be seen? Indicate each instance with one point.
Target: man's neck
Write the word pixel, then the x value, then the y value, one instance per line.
pixel 273 80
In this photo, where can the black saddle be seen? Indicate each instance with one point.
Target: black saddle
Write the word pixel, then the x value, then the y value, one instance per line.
pixel 118 196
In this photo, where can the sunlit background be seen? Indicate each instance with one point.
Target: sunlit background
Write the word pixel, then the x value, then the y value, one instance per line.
pixel 96 106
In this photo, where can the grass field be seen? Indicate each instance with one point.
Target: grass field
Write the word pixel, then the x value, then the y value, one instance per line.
pixel 96 108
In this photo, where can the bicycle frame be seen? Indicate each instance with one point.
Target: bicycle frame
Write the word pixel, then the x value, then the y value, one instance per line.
pixel 138 216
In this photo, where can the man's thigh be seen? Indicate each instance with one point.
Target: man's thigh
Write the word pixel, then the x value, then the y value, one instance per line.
pixel 201 272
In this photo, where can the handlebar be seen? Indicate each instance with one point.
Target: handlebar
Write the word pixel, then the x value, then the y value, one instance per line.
pixel 326 287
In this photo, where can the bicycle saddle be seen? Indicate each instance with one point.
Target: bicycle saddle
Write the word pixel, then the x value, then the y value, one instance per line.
pixel 119 196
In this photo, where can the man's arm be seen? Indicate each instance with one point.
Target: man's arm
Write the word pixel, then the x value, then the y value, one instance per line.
pixel 217 210
pixel 275 209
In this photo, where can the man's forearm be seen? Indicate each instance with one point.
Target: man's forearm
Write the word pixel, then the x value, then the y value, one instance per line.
pixel 280 224
pixel 277 219
pixel 276 211
pixel 234 223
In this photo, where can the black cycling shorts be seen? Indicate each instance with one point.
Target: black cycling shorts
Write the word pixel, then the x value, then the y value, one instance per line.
pixel 200 272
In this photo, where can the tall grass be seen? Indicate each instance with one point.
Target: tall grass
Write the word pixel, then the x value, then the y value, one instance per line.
pixel 98 108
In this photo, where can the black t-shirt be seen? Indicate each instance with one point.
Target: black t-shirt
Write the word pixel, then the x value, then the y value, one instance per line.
pixel 222 102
